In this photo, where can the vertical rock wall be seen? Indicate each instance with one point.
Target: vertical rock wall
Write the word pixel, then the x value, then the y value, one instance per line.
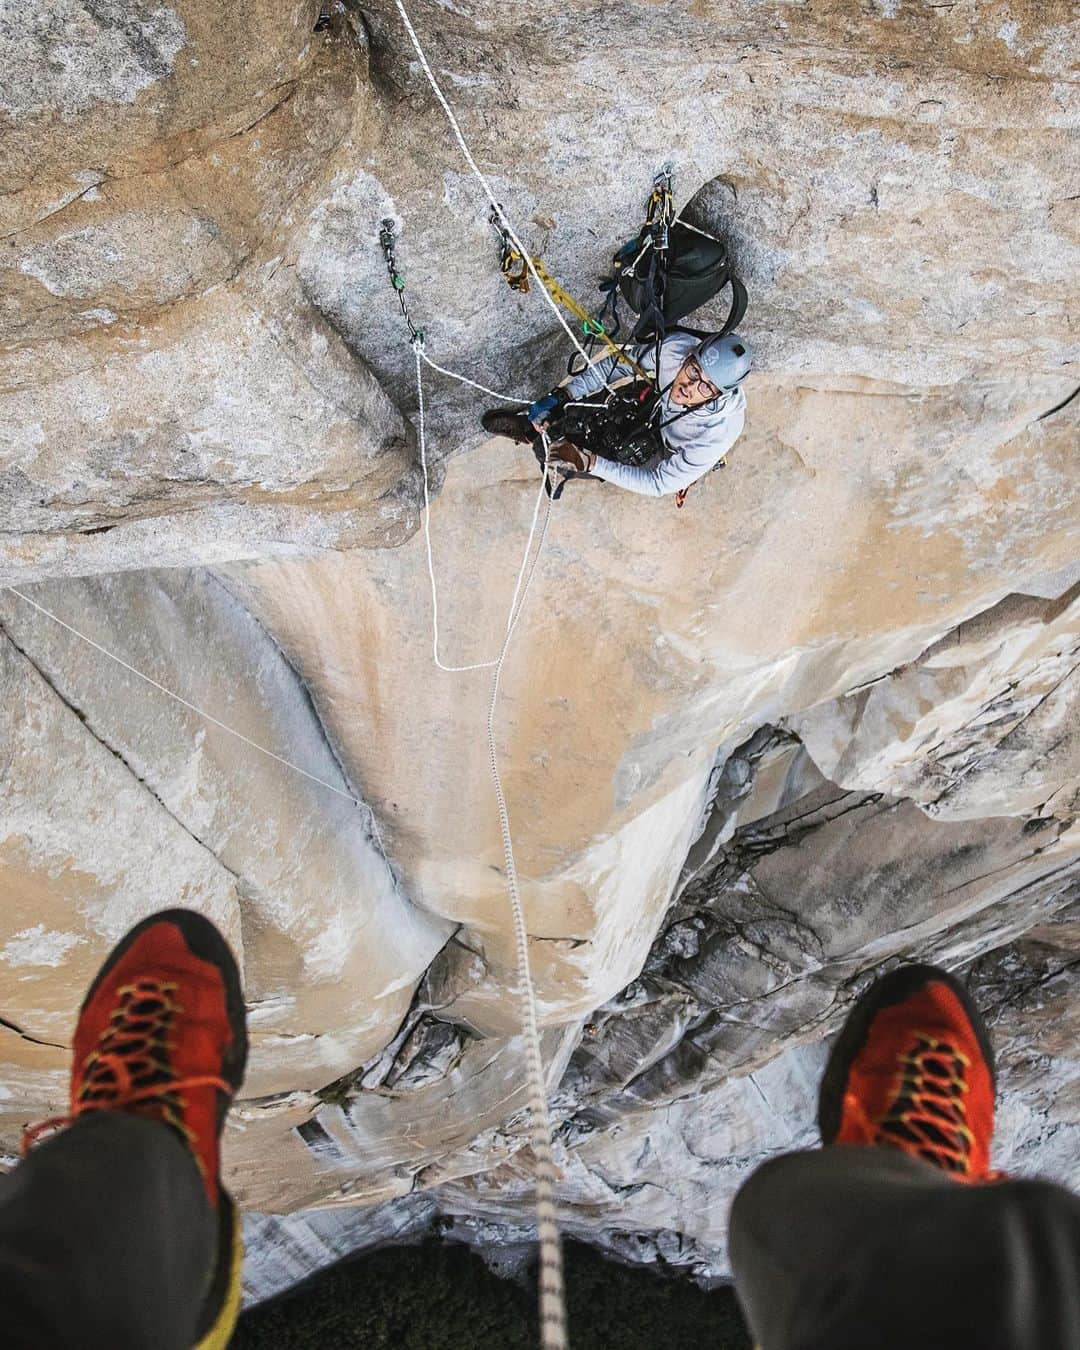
pixel 821 719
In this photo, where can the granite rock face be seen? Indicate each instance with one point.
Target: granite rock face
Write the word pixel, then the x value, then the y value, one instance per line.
pixel 821 720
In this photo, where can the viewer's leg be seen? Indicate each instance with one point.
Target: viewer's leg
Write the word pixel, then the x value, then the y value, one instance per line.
pixel 117 1232
pixel 856 1247
pixel 897 1234
pixel 106 1240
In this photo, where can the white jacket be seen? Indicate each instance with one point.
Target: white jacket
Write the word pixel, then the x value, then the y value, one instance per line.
pixel 697 441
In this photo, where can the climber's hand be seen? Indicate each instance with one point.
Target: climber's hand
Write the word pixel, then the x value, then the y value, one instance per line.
pixel 566 453
pixel 541 410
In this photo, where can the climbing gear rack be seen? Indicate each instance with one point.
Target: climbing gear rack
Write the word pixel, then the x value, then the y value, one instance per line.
pixel 515 267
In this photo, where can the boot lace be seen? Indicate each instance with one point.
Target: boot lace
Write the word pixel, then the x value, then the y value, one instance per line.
pixel 928 1115
pixel 131 1065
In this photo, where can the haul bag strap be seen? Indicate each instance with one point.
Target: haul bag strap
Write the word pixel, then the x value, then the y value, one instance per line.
pixel 738 305
pixel 734 318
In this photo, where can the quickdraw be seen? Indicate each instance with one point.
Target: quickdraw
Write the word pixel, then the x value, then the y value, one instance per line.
pixel 387 238
pixel 660 210
pixel 514 267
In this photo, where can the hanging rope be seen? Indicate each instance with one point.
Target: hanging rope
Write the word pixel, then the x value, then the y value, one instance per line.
pixel 191 707
pixel 496 207
pixel 514 604
pixel 213 721
pixel 515 269
pixel 387 240
pixel 464 379
pixel 552 1305
pixel 552 1300
pixel 552 1297
pixel 592 327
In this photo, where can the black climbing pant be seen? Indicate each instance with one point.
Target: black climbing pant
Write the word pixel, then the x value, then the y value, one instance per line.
pixel 107 1241
pixel 859 1248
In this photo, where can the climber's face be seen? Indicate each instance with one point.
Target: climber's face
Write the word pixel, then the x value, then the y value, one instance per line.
pixel 691 388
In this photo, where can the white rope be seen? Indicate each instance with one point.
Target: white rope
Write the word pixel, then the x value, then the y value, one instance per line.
pixel 514 605
pixel 552 1301
pixel 191 707
pixel 464 379
pixel 496 206
pixel 511 398
pixel 704 233
pixel 552 1298
pixel 366 807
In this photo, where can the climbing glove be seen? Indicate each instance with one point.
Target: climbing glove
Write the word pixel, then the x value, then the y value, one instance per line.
pixel 567 453
pixel 540 411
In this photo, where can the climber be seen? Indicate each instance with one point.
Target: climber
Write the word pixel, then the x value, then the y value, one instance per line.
pixel 115 1230
pixel 652 437
pixel 897 1233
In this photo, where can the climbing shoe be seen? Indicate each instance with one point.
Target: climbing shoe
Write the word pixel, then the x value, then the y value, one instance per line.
pixel 912 1069
pixel 514 426
pixel 162 1035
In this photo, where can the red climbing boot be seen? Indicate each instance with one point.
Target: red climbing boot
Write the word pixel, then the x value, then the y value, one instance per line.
pixel 161 1034
pixel 912 1069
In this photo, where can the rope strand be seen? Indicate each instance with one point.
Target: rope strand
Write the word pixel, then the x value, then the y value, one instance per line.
pixel 191 707
pixel 514 608
pixel 365 807
pixel 495 205
pixel 552 1299
pixel 464 379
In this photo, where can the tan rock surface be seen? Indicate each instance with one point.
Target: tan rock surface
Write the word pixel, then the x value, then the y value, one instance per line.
pixel 159 360
pixel 822 718
pixel 301 878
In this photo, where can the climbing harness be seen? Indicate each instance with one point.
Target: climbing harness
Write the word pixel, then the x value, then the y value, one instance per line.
pixel 625 425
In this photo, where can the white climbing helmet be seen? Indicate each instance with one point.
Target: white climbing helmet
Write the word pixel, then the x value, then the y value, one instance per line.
pixel 724 359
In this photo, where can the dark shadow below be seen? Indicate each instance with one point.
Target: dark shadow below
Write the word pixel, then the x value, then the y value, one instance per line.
pixel 441 1296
